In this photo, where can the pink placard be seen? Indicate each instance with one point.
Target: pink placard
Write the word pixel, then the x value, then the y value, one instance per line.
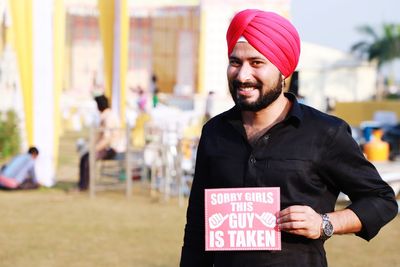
pixel 242 218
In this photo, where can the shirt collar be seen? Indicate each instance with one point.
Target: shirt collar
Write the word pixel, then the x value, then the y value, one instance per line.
pixel 234 117
pixel 296 111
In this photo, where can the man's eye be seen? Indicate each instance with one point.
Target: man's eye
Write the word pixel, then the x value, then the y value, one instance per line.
pixel 234 63
pixel 257 63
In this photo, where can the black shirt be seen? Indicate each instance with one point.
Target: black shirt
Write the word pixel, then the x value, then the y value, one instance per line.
pixel 310 155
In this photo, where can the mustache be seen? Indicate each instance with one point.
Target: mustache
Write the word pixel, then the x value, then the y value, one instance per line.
pixel 237 84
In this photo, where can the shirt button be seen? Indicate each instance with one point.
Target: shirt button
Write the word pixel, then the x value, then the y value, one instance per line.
pixel 252 160
pixel 265 139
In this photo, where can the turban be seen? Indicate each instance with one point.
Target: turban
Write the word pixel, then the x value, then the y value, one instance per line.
pixel 270 34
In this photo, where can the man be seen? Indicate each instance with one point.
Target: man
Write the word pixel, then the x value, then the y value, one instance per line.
pixel 268 139
pixel 19 173
pixel 108 143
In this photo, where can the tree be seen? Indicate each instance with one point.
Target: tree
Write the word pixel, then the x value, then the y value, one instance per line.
pixel 9 135
pixel 383 48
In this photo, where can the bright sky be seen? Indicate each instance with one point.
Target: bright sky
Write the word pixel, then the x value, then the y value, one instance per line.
pixel 333 22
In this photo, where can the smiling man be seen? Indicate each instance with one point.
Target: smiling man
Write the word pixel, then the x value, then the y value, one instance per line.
pixel 268 139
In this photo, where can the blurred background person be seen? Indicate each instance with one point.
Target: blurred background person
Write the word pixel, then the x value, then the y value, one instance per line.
pixel 108 143
pixel 154 90
pixel 19 173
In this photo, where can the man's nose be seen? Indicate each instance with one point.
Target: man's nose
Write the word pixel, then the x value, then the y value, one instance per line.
pixel 244 73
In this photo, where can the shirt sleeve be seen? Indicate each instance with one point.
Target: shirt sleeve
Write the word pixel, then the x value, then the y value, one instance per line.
pixel 346 168
pixel 193 250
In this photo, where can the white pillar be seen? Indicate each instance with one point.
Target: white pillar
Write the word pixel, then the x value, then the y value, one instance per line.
pixel 43 91
pixel 116 82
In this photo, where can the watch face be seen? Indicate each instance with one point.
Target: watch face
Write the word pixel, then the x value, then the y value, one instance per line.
pixel 328 228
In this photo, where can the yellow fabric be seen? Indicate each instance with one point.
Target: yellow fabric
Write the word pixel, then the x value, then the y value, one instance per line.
pixel 106 22
pixel 138 132
pixel 200 83
pixel 123 56
pixel 59 52
pixel 21 12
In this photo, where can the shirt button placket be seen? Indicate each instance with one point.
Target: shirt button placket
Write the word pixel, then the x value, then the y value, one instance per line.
pixel 252 160
pixel 251 176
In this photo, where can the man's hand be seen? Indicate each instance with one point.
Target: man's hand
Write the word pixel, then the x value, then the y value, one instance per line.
pixel 300 220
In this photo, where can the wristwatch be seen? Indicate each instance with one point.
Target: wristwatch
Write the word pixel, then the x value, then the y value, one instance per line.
pixel 326 227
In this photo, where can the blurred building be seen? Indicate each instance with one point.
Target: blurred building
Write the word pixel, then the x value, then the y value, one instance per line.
pixel 53 57
pixel 153 46
pixel 181 42
pixel 330 75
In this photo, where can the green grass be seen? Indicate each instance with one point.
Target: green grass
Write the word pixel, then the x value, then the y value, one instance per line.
pixel 53 228
pixel 50 227
pixel 352 251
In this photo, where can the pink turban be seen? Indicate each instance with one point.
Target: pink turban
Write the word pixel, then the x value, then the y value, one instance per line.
pixel 272 35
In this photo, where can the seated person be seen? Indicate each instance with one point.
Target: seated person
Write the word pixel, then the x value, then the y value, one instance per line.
pixel 19 173
pixel 109 141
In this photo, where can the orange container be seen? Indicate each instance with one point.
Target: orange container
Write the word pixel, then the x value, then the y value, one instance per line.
pixel 376 149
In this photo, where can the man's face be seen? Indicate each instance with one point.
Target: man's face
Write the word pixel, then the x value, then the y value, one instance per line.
pixel 254 82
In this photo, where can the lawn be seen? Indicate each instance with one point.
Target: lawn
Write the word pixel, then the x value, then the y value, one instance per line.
pixel 50 227
pixel 54 228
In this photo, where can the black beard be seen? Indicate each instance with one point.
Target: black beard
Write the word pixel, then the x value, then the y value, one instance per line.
pixel 262 102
